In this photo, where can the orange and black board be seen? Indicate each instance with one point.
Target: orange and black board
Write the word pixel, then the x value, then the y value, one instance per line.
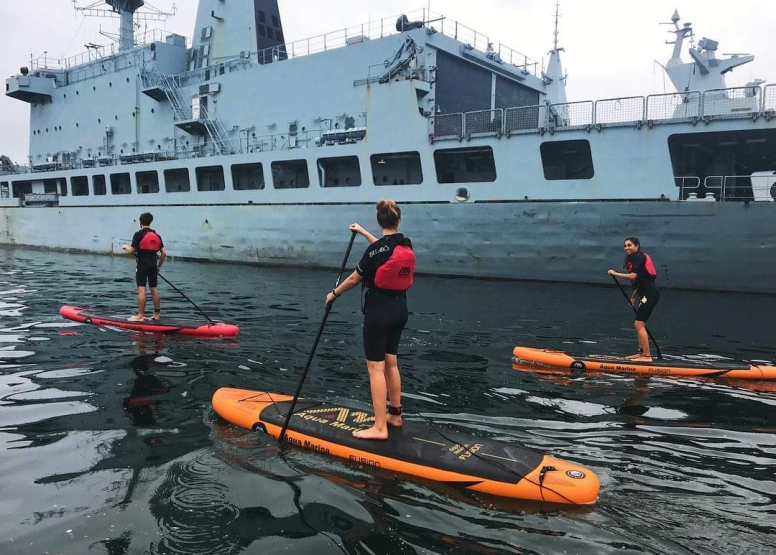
pixel 164 326
pixel 474 463
pixel 674 366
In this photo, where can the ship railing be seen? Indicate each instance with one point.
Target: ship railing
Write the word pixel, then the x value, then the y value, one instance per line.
pixel 673 107
pixel 483 122
pixel 570 115
pixel 446 126
pixel 732 103
pixel 524 119
pixel 769 101
pixel 760 187
pixel 689 186
pixel 40 199
pixel 620 112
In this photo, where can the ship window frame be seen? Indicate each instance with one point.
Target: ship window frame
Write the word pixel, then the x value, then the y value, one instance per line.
pixel 99 185
pixel 154 182
pixel 486 175
pixel 79 185
pixel 548 151
pixel 381 162
pixel 172 172
pixel 343 161
pixel 5 189
pixel 248 170
pixel 114 184
pixel 279 180
pixel 21 188
pixel 200 172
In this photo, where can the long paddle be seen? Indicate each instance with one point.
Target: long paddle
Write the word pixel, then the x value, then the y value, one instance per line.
pixel 185 297
pixel 315 343
pixel 627 298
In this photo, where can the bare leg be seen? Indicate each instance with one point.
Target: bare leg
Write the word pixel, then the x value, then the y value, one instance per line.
pixel 641 333
pixel 157 302
pixel 379 429
pixel 393 383
pixel 141 299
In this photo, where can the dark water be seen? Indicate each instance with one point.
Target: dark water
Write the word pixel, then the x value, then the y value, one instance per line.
pixel 109 444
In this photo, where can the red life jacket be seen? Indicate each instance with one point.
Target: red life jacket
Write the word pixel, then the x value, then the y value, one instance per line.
pixel 150 241
pixel 396 273
pixel 649 266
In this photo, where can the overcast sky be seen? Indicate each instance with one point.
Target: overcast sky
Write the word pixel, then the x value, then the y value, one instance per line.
pixel 610 45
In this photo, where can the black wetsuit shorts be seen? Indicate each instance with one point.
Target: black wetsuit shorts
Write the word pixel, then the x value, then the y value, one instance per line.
pixel 385 316
pixel 146 272
pixel 645 302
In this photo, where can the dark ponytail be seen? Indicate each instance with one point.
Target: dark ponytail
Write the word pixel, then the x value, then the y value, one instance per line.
pixel 388 214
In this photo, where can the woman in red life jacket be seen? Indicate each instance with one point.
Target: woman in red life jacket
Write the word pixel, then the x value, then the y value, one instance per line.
pixel 640 270
pixel 387 269
pixel 145 244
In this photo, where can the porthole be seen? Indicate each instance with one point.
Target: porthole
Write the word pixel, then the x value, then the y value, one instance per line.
pixel 153 111
pixel 462 194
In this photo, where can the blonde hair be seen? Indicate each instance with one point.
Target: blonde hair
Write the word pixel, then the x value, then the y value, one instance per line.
pixel 388 214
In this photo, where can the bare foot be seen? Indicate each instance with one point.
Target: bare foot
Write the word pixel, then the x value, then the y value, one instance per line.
pixel 156 317
pixel 634 357
pixel 641 358
pixel 371 433
pixel 136 318
pixel 394 420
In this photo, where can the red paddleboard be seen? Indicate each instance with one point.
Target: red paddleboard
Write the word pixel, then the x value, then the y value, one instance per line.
pixel 166 326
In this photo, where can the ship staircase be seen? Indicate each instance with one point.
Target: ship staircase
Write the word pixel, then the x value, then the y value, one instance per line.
pixel 162 87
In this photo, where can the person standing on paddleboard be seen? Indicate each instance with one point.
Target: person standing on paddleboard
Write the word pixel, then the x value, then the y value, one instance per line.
pixel 145 244
pixel 640 270
pixel 387 269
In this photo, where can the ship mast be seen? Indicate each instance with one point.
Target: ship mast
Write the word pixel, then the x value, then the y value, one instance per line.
pixel 128 11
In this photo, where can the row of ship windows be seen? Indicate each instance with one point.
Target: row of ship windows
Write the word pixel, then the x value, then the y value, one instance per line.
pixel 560 160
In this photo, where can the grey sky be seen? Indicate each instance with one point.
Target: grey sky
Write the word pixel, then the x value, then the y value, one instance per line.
pixel 611 45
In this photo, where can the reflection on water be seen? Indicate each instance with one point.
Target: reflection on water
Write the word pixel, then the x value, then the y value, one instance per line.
pixel 108 443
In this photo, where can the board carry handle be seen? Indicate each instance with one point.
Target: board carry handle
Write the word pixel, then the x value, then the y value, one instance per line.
pixel 657 348
pixel 315 343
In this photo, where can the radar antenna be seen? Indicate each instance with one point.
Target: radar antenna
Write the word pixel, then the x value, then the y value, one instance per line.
pixel 557 16
pixel 130 12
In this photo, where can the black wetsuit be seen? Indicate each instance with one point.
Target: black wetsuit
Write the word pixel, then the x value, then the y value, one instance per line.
pixel 647 293
pixel 146 270
pixel 385 311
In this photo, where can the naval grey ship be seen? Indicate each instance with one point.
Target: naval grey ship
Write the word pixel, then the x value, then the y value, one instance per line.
pixel 253 149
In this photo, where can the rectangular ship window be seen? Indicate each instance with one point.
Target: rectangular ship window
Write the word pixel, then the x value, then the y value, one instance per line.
pixel 465 165
pixel 98 185
pixel 4 190
pixel 290 174
pixel 21 188
pixel 147 182
pixel 80 185
pixel 57 186
pixel 343 171
pixel 210 178
pixel 396 168
pixel 177 180
pixel 247 177
pixel 119 184
pixel 567 160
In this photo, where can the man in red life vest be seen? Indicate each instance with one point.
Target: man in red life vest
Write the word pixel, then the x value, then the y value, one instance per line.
pixel 145 244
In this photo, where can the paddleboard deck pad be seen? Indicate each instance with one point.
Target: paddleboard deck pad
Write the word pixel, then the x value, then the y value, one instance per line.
pixel 673 366
pixel 163 325
pixel 474 463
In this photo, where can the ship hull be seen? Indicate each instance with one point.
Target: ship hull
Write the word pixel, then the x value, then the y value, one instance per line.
pixel 696 245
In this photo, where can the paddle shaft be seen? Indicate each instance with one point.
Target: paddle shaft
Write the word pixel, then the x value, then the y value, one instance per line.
pixel 315 343
pixel 627 298
pixel 185 297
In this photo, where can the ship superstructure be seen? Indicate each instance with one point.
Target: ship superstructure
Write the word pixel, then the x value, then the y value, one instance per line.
pixel 250 148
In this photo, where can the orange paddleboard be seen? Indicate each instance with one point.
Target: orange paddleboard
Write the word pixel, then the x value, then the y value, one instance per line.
pixel 474 463
pixel 667 367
